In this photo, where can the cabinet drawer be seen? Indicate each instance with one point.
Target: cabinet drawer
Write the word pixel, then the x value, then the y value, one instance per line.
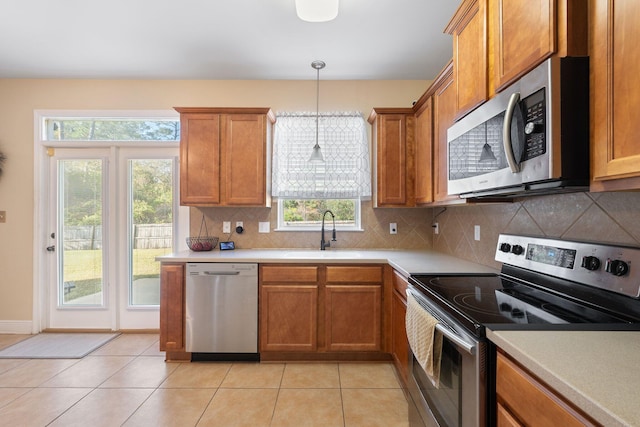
pixel 530 401
pixel 400 284
pixel 289 274
pixel 354 274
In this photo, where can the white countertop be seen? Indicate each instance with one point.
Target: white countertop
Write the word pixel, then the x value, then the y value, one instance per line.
pixel 599 371
pixel 406 262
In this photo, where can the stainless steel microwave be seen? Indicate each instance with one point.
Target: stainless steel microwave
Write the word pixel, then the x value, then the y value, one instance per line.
pixel 531 138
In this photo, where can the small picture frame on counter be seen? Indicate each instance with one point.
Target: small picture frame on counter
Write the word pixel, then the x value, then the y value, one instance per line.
pixel 227 246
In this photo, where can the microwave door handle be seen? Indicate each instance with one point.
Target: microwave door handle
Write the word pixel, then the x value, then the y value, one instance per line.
pixel 506 132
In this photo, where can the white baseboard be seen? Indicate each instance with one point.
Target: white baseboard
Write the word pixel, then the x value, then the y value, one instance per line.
pixel 15 327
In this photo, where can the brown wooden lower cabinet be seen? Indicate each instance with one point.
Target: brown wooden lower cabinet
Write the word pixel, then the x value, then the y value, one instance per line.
pixel 523 400
pixel 399 342
pixel 288 317
pixel 320 308
pixel 172 311
pixel 352 317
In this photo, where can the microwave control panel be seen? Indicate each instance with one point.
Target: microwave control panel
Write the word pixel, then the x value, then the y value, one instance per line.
pixel 535 129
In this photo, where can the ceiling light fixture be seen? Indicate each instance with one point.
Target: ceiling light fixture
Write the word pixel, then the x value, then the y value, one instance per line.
pixel 316 155
pixel 317 10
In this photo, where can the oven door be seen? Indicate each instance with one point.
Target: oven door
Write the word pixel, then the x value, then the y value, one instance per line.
pixel 461 398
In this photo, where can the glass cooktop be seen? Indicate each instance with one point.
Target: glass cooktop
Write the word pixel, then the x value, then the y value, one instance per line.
pixel 498 302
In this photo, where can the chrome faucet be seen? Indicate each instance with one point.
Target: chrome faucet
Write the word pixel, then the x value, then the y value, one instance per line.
pixel 324 244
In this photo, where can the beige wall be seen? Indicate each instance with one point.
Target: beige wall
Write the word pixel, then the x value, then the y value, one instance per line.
pixel 19 98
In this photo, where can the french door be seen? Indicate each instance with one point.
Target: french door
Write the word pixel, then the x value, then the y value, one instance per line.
pixel 111 212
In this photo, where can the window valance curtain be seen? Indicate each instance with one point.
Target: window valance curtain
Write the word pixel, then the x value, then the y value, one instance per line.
pixel 345 172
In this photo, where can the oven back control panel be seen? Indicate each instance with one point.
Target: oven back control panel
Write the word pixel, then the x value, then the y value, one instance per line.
pixel 605 266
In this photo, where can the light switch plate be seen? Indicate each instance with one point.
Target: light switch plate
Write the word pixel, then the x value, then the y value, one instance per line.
pixel 476 232
pixel 264 227
pixel 393 228
pixel 226 226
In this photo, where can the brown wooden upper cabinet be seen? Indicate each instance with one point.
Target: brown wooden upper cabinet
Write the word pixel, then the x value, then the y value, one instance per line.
pixel 393 132
pixel 424 150
pixel 224 156
pixel 525 33
pixel 444 111
pixel 615 95
pixel 470 68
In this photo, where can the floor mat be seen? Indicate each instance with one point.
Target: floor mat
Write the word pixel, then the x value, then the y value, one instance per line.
pixel 56 346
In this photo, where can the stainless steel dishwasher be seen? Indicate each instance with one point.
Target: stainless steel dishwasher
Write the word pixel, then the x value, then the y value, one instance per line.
pixel 222 311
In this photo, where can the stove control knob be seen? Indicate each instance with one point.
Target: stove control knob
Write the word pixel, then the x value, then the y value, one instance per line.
pixel 505 247
pixel 517 250
pixel 591 263
pixel 616 267
pixel 517 313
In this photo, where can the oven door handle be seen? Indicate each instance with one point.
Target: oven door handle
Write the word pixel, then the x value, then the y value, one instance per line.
pixel 451 336
pixel 443 328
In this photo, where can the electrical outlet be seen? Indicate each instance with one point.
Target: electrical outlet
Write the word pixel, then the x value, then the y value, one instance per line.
pixel 226 226
pixel 476 232
pixel 436 228
pixel 3 216
pixel 393 228
pixel 239 224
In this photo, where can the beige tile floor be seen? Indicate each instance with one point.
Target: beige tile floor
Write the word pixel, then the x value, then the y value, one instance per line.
pixel 127 383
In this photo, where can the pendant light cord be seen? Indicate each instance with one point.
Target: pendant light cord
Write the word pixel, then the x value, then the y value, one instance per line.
pixel 317 102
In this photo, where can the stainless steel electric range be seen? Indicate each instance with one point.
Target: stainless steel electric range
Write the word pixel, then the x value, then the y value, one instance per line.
pixel 543 284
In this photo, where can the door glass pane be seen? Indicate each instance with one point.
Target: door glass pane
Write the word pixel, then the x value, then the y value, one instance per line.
pixel 80 281
pixel 151 217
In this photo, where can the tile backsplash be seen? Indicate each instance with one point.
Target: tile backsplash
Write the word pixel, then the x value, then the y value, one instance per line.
pixel 602 217
pixel 414 230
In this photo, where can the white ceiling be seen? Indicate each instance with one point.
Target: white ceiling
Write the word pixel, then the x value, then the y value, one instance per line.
pixel 222 39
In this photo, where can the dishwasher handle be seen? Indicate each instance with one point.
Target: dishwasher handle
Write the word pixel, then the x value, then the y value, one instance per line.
pixel 219 273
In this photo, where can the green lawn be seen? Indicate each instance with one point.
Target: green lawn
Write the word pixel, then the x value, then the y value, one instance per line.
pixel 84 269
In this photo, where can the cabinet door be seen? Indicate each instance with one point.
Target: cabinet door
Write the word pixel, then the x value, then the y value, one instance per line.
pixel 199 159
pixel 504 418
pixel 394 146
pixel 468 29
pixel 399 341
pixel 243 159
pixel 353 317
pixel 444 108
pixel 524 34
pixel 615 91
pixel 288 318
pixel 172 302
pixel 424 145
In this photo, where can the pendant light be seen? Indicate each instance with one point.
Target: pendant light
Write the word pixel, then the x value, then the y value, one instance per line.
pixel 316 155
pixel 317 10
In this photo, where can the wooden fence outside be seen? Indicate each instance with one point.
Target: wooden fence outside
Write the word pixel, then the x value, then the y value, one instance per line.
pixel 145 236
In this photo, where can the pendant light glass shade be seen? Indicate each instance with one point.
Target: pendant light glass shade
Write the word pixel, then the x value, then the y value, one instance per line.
pixel 316 154
pixel 317 10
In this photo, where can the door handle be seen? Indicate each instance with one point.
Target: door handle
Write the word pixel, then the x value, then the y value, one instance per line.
pixel 506 132
pixel 51 248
